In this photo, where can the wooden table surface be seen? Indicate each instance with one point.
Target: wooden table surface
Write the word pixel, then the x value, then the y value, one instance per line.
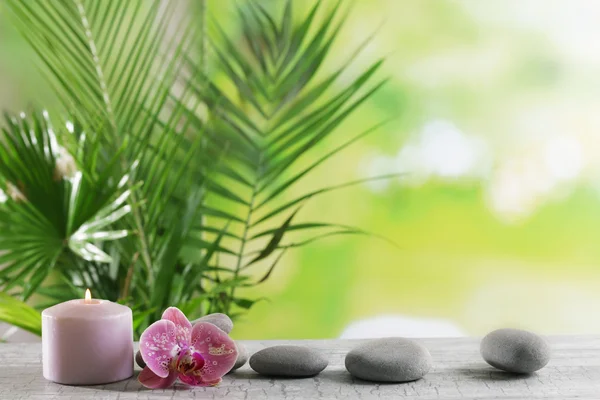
pixel 458 373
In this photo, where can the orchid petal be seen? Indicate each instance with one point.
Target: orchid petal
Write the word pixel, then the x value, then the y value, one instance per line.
pixel 217 349
pixel 184 326
pixel 158 347
pixel 152 381
pixel 197 380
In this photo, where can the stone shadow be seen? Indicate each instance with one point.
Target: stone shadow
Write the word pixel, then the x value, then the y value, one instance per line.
pixel 487 373
pixel 337 375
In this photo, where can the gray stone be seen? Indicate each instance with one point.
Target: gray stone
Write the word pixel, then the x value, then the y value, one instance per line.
pixel 288 361
pixel 242 357
pixel 515 350
pixel 389 360
pixel 221 321
pixel 139 360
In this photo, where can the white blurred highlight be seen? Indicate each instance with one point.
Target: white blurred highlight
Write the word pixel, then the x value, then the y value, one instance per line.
pixel 399 325
pixel 516 186
pixel 439 150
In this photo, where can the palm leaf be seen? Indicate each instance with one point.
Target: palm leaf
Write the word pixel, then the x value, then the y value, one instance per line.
pixel 107 66
pixel 282 109
pixel 113 66
pixel 17 313
pixel 49 213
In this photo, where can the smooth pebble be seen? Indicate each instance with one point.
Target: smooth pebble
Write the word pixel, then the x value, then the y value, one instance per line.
pixel 139 360
pixel 221 321
pixel 288 361
pixel 242 357
pixel 389 360
pixel 515 350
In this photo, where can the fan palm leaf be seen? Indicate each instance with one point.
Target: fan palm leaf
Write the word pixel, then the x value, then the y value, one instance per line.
pixel 50 209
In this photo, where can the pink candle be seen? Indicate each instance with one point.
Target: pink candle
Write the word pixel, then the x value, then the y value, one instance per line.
pixel 87 342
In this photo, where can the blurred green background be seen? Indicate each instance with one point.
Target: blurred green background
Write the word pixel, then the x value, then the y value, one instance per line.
pixel 495 122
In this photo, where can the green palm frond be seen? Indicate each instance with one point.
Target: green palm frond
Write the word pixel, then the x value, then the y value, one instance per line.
pixel 281 109
pixel 19 314
pixel 113 66
pixel 50 208
pixel 111 69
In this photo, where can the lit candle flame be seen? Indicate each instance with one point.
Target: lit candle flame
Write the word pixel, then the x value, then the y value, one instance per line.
pixel 88 296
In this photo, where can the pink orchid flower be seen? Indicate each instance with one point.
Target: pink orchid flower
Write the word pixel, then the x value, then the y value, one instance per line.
pixel 172 348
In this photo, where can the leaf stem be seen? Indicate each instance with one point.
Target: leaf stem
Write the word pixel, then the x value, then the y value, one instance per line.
pixel 99 72
pixel 111 117
pixel 247 227
pixel 145 251
pixel 203 42
pixel 129 277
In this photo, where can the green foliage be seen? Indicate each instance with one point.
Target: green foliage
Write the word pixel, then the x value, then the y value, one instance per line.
pixel 160 205
pixel 19 314
pixel 51 211
pixel 279 114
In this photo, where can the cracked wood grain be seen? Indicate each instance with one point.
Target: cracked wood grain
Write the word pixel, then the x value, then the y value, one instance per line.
pixel 458 373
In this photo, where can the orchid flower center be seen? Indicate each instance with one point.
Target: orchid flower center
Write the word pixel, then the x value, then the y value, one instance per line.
pixel 189 362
